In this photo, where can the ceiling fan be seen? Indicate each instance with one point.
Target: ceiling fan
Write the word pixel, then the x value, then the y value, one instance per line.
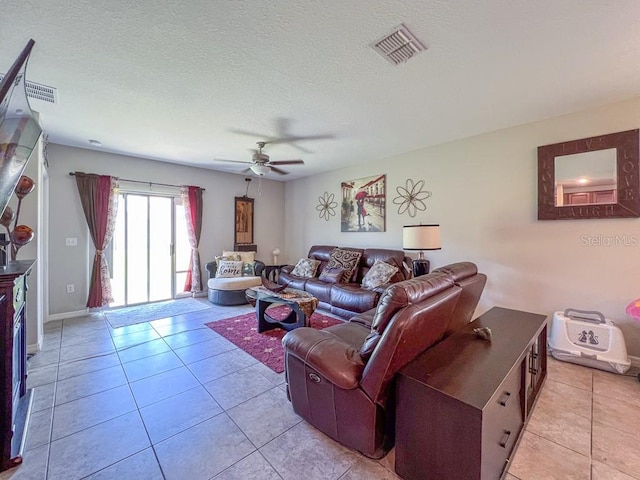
pixel 261 164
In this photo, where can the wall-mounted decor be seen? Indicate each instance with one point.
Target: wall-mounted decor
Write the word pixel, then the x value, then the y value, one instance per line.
pixel 363 204
pixel 411 197
pixel 326 206
pixel 243 238
pixel 596 177
pixel 19 128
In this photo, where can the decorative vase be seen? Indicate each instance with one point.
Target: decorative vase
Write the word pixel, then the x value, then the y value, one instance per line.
pixel 24 187
pixel 21 234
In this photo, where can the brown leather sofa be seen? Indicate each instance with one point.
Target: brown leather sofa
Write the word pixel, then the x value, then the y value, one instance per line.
pixel 346 299
pixel 341 379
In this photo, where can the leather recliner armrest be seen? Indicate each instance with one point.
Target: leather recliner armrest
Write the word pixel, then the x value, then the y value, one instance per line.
pixel 287 268
pixel 258 268
pixel 211 268
pixel 338 362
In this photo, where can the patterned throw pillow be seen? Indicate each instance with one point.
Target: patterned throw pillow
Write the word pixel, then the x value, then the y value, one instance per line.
pixel 219 258
pixel 379 274
pixel 248 269
pixel 332 274
pixel 306 267
pixel 246 257
pixel 229 268
pixel 347 259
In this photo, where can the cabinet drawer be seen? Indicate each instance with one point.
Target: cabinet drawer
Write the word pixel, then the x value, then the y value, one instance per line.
pixel 502 421
pixel 19 294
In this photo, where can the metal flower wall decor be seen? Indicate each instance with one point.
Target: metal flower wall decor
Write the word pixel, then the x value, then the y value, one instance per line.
pixel 411 197
pixel 326 206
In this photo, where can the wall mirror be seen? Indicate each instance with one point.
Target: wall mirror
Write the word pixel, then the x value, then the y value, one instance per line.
pixel 594 177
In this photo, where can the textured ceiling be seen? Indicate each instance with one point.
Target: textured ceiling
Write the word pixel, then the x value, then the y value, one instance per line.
pixel 176 81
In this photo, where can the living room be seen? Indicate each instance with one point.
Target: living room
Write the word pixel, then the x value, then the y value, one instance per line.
pixel 484 190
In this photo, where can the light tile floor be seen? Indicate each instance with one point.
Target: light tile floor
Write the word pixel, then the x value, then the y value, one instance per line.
pixel 173 399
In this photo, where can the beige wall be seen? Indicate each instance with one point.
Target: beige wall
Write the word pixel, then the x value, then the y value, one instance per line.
pixel 485 198
pixel 72 264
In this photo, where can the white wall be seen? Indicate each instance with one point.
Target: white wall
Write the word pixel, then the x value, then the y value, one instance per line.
pixel 485 199
pixel 73 264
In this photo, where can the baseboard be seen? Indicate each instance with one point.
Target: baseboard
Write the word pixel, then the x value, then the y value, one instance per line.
pixel 635 361
pixel 34 348
pixel 62 316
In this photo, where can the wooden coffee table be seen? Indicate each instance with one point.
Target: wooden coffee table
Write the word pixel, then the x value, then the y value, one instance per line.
pixel 301 304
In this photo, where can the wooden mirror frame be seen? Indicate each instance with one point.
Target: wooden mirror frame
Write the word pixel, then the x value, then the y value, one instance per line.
pixel 627 168
pixel 243 224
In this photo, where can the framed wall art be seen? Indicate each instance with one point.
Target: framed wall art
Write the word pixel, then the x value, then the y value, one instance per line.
pixel 243 237
pixel 363 204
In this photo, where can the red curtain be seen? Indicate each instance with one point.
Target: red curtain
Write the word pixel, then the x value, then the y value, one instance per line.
pixel 100 205
pixel 192 199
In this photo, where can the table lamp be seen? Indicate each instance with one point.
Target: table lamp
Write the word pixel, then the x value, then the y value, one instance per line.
pixel 421 237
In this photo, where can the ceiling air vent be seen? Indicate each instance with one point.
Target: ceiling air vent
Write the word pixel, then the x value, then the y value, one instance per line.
pixel 399 46
pixel 40 92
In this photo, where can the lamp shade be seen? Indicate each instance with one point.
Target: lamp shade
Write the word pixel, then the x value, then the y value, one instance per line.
pixel 421 237
pixel 260 169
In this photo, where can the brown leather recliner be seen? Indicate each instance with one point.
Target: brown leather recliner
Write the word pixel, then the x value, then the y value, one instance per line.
pixel 340 379
pixel 466 276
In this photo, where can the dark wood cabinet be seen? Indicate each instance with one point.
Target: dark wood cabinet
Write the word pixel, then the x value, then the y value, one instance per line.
pixel 462 405
pixel 15 399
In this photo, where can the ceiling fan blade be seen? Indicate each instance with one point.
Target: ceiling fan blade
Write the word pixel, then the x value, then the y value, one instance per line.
pixel 244 132
pixel 283 138
pixel 287 162
pixel 295 138
pixel 279 170
pixel 231 161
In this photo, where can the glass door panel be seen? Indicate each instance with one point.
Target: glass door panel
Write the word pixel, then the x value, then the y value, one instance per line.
pixel 142 250
pixel 160 232
pixel 137 214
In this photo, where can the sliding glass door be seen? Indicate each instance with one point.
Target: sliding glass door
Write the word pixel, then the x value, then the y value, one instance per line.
pixel 147 241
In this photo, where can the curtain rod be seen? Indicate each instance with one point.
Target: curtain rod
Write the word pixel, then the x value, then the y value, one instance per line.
pixel 73 174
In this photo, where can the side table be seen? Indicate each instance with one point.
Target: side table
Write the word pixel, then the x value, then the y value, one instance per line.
pixel 272 272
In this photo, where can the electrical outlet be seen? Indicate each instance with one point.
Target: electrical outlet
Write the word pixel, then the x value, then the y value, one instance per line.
pixel 71 242
pixel 71 288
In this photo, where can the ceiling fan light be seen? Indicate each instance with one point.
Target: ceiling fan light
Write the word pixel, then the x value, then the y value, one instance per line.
pixel 260 169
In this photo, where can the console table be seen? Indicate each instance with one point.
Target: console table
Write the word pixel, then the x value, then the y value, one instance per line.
pixel 15 399
pixel 462 405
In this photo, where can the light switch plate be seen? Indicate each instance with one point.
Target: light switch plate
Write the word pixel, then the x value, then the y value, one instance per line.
pixel 71 242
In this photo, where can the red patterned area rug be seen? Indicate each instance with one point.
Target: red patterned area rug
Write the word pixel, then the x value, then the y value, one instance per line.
pixel 266 347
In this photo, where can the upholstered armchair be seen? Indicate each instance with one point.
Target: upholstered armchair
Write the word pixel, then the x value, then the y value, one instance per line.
pixel 341 379
pixel 229 290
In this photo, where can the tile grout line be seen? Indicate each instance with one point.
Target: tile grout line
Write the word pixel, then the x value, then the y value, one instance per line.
pixel 137 407
pixel 144 425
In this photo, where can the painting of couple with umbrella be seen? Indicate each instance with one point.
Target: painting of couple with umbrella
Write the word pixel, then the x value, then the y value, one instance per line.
pixel 363 204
